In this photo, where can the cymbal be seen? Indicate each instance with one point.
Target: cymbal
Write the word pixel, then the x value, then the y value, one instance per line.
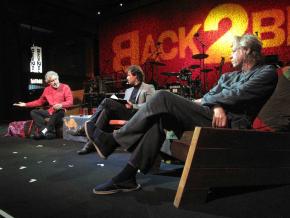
pixel 185 71
pixel 157 63
pixel 194 66
pixel 199 56
pixel 169 74
pixel 205 70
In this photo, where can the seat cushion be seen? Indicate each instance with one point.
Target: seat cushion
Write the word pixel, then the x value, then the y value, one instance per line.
pixel 117 122
pixel 275 114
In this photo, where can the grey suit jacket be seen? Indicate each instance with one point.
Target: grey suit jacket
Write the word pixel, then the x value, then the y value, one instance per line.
pixel 144 93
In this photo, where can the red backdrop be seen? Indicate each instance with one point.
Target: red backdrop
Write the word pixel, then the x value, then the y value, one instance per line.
pixel 167 32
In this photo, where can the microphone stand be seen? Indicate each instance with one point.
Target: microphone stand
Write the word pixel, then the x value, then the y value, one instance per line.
pixel 202 63
pixel 155 53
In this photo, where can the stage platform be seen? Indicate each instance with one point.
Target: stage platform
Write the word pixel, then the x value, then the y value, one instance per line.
pixel 48 179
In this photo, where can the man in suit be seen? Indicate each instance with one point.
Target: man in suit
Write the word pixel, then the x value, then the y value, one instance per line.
pixel 233 103
pixel 135 97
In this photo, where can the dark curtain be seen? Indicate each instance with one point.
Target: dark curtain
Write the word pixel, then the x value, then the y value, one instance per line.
pixel 12 79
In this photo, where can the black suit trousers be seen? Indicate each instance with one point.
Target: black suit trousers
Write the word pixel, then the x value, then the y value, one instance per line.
pixel 110 109
pixel 144 134
pixel 39 115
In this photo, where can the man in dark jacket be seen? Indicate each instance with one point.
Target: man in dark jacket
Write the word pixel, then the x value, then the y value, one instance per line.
pixel 233 103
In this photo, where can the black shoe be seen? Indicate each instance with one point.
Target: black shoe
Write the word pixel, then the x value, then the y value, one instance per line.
pixel 89 129
pixel 104 143
pixel 47 135
pixel 78 132
pixel 38 136
pixel 88 148
pixel 112 187
pixel 50 135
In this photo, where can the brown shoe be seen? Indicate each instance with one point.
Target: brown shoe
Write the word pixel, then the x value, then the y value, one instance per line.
pixel 88 148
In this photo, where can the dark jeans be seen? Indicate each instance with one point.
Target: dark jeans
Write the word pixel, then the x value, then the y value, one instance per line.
pixel 110 109
pixel 144 134
pixel 39 115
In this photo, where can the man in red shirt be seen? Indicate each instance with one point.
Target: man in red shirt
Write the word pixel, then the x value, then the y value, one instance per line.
pixel 59 98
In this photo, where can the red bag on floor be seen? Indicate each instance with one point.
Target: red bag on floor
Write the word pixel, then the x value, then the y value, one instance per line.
pixel 21 128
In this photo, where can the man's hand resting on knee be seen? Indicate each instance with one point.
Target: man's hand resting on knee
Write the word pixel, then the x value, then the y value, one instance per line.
pixel 219 117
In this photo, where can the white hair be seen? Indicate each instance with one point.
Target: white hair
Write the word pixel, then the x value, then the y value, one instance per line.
pixel 50 74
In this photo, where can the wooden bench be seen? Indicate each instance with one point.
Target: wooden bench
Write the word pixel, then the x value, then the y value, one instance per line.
pixel 228 158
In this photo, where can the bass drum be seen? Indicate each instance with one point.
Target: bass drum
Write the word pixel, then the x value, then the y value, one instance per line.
pixel 192 91
pixel 175 88
pixel 186 92
pixel 196 88
pixel 179 89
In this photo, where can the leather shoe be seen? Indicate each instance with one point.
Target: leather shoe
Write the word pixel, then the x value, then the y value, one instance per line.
pixel 88 148
pixel 47 135
pixel 37 136
pixel 112 187
pixel 89 129
pixel 104 143
pixel 50 135
pixel 77 132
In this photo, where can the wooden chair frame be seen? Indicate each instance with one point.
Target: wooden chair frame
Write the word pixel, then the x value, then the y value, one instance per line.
pixel 228 158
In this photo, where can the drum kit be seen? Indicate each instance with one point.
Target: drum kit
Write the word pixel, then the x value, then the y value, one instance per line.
pixel 195 87
pixel 186 85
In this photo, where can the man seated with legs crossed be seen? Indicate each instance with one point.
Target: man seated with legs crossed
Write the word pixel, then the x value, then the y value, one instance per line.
pixel 233 103
pixel 109 108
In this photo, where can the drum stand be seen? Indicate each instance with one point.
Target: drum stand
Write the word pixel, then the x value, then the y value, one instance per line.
pixel 154 63
pixel 201 58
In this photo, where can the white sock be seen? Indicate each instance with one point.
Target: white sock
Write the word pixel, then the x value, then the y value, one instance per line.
pixel 44 131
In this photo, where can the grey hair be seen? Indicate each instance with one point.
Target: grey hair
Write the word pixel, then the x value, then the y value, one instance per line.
pixel 251 43
pixel 50 74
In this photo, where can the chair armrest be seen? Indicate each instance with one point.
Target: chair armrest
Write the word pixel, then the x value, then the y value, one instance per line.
pixel 118 122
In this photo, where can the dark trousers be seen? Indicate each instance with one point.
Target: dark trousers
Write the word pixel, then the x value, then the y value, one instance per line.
pixel 144 134
pixel 39 115
pixel 110 109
